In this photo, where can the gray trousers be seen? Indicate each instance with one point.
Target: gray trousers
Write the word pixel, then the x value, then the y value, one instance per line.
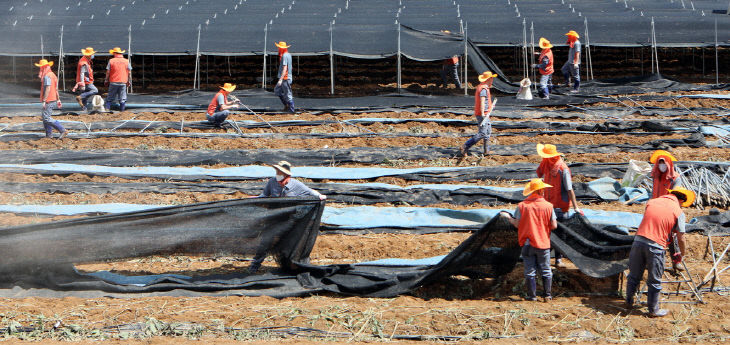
pixel 89 91
pixel 534 258
pixel 570 72
pixel 117 92
pixel 484 132
pixel 218 117
pixel 49 124
pixel 283 91
pixel 645 257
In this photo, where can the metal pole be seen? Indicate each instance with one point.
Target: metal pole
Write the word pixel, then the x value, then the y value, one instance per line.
pixel 655 52
pixel 196 78
pixel 399 66
pixel 651 37
pixel 43 55
pixel 532 54
pixel 526 73
pixel 717 59
pixel 588 48
pixel 463 67
pixel 332 65
pixel 61 68
pixel 263 77
pixel 466 59
pixel 129 55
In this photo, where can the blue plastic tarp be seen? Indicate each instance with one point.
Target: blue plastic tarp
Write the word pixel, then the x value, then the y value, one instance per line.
pixel 610 190
pixel 359 217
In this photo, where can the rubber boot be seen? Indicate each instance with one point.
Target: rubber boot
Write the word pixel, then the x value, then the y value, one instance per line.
pixel 122 106
pixel 576 85
pixel 630 293
pixel 567 79
pixel 652 300
pixel 108 106
pixel 547 284
pixel 531 286
pixel 290 107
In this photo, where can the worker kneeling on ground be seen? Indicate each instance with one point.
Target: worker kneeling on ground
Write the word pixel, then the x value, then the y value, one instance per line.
pixel 219 105
pixel 281 185
pixel 663 215
pixel 534 219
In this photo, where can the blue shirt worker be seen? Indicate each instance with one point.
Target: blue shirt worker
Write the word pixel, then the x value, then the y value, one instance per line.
pixel 571 68
pixel 662 216
pixel 219 105
pixel 85 78
pixel 535 219
pixel 118 77
pixel 281 185
pixel 285 75
pixel 49 98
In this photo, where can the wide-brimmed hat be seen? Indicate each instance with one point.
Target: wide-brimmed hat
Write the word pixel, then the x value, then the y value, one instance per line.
pixel 658 153
pixel 572 33
pixel 534 185
pixel 486 75
pixel 547 151
pixel 284 167
pixel 544 43
pixel 44 62
pixel 88 51
pixel 688 195
pixel 117 50
pixel 281 44
pixel 228 87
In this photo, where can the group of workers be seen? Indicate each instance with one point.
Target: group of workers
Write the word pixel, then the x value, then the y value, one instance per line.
pixel 549 197
pixel 118 77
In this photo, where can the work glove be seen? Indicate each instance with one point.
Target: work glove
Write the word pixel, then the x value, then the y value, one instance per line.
pixel 322 197
pixel 80 86
pixel 129 84
pixel 575 65
pixel 44 105
pixel 577 210
pixel 534 65
pixel 58 104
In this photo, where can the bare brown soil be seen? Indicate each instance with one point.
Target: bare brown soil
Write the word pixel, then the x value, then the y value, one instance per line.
pixel 455 306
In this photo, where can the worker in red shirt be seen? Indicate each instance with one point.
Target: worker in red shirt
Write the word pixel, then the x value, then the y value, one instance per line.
pixel 118 78
pixel 534 219
pixel 450 70
pixel 556 173
pixel 49 98
pixel 662 216
pixel 482 110
pixel 219 105
pixel 85 78
pixel 545 67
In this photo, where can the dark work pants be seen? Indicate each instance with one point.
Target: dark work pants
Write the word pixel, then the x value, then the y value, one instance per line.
pixel 645 257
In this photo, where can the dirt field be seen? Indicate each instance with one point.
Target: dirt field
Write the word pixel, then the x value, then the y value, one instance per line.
pixel 456 308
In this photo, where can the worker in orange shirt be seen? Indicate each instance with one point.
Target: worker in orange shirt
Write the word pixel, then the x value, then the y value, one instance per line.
pixel 664 174
pixel 118 78
pixel 556 173
pixel 482 109
pixel 534 219
pixel 219 105
pixel 545 67
pixel 49 98
pixel 450 70
pixel 85 78
pixel 662 216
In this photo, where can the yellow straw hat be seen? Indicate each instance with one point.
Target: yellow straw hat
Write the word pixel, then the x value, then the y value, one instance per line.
pixel 544 43
pixel 688 194
pixel 284 167
pixel 534 185
pixel 572 33
pixel 547 151
pixel 486 75
pixel 281 44
pixel 117 50
pixel 88 51
pixel 658 153
pixel 44 62
pixel 228 87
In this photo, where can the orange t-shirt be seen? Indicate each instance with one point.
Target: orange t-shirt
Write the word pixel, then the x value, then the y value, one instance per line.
pixel 536 213
pixel 660 217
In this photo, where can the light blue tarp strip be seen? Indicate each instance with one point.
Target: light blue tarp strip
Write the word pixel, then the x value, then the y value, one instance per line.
pixel 135 280
pixel 704 95
pixel 248 171
pixel 405 262
pixel 67 106
pixel 716 130
pixel 610 190
pixel 358 217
